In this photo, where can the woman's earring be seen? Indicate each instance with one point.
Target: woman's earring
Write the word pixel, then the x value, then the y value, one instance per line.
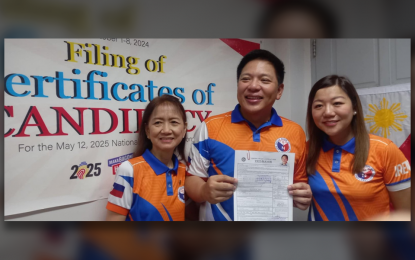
pixel 354 113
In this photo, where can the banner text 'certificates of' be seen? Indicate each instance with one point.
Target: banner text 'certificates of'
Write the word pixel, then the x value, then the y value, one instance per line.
pixel 262 193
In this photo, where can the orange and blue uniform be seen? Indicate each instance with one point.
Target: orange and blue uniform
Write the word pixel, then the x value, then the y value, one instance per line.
pixel 341 195
pixel 146 189
pixel 217 138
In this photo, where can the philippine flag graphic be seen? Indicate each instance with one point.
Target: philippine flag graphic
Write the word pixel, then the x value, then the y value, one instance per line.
pixel 118 190
pixel 387 113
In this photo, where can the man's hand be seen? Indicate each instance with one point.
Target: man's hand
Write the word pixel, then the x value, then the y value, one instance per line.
pixel 218 188
pixel 301 193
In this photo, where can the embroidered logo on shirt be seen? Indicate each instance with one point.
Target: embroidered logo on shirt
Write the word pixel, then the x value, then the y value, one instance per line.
pixel 282 145
pixel 180 194
pixel 365 175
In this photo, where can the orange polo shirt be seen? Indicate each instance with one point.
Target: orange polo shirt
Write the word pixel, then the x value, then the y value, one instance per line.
pixel 146 189
pixel 339 194
pixel 217 138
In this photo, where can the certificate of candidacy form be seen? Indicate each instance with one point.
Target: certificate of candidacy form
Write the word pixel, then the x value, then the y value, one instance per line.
pixel 262 193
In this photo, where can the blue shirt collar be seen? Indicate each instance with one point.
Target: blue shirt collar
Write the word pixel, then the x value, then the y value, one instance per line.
pixel 349 146
pixel 157 166
pixel 237 117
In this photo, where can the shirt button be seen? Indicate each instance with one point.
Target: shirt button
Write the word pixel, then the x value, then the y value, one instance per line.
pixel 169 185
pixel 337 151
pixel 336 161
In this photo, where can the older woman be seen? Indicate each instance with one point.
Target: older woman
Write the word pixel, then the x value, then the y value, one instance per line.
pixel 151 186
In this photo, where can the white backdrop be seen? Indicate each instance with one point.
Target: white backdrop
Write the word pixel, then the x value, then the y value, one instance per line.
pixel 73 107
pixel 294 53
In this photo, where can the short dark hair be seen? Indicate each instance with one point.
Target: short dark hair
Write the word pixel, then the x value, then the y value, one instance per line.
pixel 316 135
pixel 266 56
pixel 145 143
pixel 285 156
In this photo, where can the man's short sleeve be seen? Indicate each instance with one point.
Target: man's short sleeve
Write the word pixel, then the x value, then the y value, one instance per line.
pixel 199 158
pixel 121 196
pixel 397 175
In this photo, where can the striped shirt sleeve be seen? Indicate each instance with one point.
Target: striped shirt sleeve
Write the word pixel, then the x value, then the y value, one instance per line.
pixel 397 175
pixel 199 158
pixel 121 196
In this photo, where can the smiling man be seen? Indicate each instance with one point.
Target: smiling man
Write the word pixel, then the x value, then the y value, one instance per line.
pixel 253 125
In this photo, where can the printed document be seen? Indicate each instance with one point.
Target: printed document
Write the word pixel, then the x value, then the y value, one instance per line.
pixel 261 194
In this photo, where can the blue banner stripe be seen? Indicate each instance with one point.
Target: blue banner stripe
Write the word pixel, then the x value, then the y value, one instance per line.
pixel 119 159
pixel 349 209
pixel 325 198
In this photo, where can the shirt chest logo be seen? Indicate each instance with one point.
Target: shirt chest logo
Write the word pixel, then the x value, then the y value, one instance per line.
pixel 282 145
pixel 365 175
pixel 180 194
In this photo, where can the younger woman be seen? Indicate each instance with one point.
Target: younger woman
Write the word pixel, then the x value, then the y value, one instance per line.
pixel 151 186
pixel 353 175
